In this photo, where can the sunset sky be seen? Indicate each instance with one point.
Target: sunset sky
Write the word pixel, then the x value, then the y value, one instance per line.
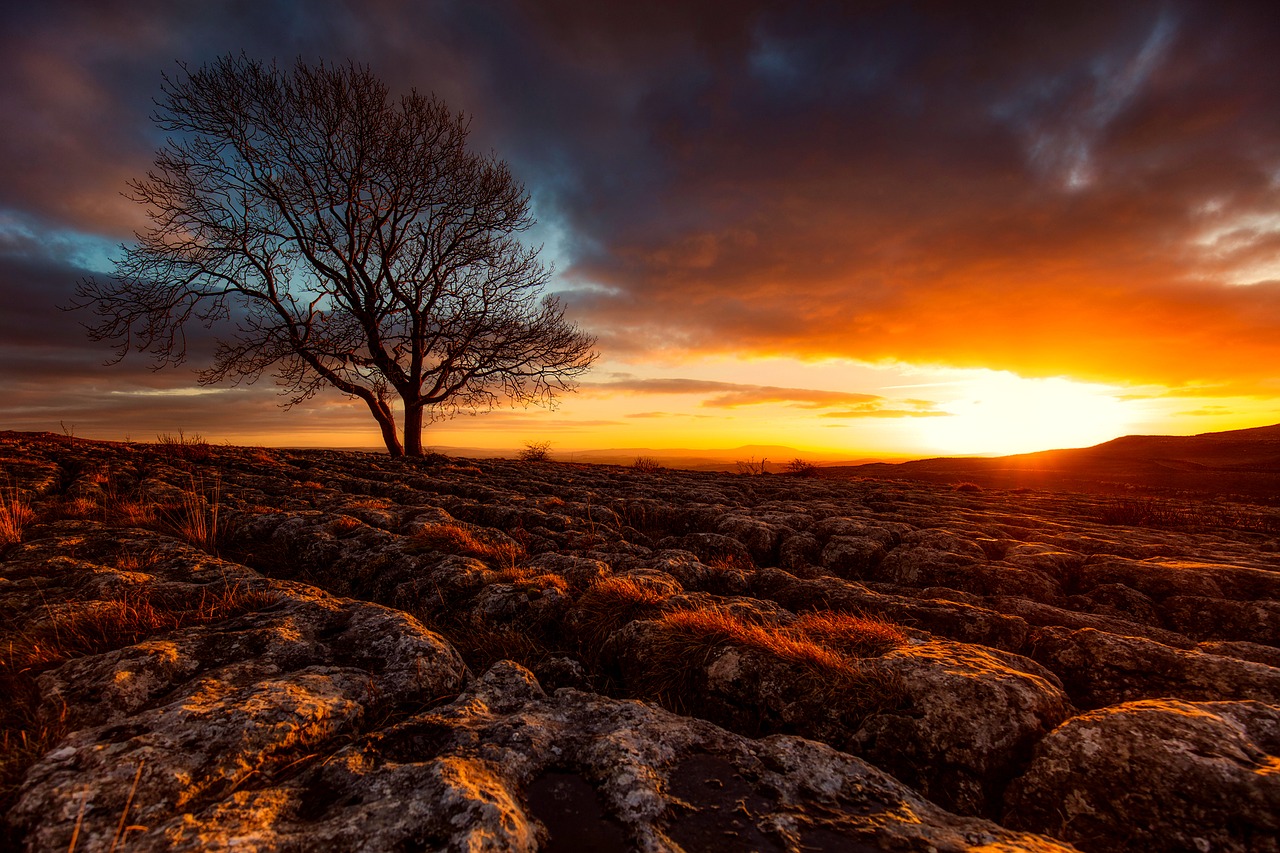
pixel 860 229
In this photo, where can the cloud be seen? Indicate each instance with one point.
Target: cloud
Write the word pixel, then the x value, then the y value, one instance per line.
pixel 1052 189
pixel 732 395
pixel 886 413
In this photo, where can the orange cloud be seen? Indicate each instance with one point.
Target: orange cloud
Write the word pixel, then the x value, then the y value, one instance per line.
pixel 732 395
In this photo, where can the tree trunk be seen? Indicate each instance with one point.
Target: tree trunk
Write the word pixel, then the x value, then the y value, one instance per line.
pixel 387 423
pixel 412 429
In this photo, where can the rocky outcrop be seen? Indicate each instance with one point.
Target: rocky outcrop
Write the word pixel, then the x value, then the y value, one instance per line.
pixel 277 646
pixel 1186 777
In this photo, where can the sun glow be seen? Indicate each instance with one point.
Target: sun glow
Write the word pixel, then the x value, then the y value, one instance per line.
pixel 1000 413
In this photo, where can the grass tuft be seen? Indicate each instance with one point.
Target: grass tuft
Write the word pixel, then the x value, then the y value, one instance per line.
pixel 821 650
pixel 610 603
pixel 196 517
pixel 851 633
pixel 15 514
pixel 470 542
pixel 191 448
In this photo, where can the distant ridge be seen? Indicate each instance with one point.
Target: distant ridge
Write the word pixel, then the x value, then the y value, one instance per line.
pixel 1243 462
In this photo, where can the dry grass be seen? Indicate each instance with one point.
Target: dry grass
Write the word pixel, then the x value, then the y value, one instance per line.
pixel 482 645
pixel 851 633
pixel 821 651
pixel 730 563
pixel 28 731
pixel 1167 515
pixel 344 524
pixel 15 514
pixel 197 516
pixel 191 448
pixel 713 628
pixel 111 503
pixel 610 603
pixel 470 542
pixel 525 578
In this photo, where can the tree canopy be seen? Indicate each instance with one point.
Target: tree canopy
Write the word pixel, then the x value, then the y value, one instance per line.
pixel 351 239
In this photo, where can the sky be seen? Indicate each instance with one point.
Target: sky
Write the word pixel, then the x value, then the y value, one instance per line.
pixel 855 229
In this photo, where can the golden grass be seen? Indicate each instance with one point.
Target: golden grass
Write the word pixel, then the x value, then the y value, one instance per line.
pixel 344 524
pixel 523 577
pixel 610 603
pixel 851 633
pixel 820 651
pixel 26 733
pixel 15 514
pixel 197 516
pixel 469 542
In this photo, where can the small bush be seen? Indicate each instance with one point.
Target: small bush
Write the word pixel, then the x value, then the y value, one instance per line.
pixel 966 487
pixel 802 468
pixel 752 467
pixel 535 451
pixel 646 465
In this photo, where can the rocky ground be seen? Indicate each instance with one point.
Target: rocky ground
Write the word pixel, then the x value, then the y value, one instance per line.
pixel 208 647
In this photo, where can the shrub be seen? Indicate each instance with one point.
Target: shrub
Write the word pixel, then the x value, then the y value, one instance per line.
pixel 802 468
pixel 966 487
pixel 535 451
pixel 752 467
pixel 646 465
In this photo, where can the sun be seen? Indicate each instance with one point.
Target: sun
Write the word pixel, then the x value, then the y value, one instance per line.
pixel 1001 413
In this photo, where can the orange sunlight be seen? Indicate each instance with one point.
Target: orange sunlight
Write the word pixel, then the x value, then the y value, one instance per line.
pixel 1001 413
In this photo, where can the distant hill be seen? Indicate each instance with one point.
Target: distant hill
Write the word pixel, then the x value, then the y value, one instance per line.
pixel 1244 462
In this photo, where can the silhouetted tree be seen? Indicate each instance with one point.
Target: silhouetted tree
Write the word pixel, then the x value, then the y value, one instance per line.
pixel 354 240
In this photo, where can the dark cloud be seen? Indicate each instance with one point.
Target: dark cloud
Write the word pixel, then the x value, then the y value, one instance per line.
pixel 1052 189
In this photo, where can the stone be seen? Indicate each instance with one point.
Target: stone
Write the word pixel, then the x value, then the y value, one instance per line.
pixel 1157 775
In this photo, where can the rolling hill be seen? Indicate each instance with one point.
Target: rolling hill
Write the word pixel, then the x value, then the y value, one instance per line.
pixel 1243 462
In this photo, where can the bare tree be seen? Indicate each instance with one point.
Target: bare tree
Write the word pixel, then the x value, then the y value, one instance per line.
pixel 354 240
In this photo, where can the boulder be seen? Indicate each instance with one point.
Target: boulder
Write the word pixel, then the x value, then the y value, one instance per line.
pixel 970 717
pixel 1183 777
